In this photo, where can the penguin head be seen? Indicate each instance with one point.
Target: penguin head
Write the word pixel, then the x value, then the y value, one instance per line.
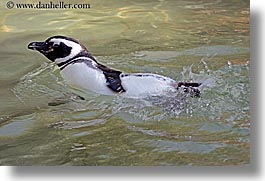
pixel 58 49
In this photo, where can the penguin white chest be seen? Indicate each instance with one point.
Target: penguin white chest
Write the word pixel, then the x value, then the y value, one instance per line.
pixel 81 76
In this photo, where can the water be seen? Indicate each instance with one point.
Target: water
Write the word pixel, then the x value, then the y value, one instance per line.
pixel 204 41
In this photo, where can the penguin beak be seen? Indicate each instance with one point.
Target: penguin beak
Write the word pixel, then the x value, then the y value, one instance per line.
pixel 39 46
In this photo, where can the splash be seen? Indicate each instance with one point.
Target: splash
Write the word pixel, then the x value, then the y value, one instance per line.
pixel 39 86
pixel 224 95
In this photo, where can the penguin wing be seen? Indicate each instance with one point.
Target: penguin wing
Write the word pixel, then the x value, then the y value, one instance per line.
pixel 112 78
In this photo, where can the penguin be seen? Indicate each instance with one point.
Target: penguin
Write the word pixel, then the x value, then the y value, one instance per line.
pixel 82 71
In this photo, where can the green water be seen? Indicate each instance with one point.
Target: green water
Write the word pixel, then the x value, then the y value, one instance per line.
pixel 204 41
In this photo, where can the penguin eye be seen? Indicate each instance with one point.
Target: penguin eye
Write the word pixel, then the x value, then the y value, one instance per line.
pixel 55 45
pixel 50 44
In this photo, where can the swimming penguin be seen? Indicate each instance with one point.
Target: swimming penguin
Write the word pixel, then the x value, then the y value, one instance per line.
pixel 82 71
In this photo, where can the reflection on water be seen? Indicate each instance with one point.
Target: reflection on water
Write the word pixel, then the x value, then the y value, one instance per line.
pixel 206 41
